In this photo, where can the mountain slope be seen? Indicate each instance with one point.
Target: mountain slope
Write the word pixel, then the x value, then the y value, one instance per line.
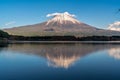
pixel 61 24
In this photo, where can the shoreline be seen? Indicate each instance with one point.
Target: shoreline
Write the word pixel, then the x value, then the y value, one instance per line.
pixel 65 42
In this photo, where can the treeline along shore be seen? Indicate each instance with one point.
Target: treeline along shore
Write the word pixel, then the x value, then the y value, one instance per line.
pixel 6 38
pixel 64 38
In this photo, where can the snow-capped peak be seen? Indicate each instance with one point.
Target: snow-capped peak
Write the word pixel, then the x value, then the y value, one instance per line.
pixel 62 18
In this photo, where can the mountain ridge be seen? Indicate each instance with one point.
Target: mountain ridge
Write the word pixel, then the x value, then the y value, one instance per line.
pixel 61 24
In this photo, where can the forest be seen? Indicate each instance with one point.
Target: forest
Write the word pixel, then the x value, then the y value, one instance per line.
pixel 3 36
pixel 65 38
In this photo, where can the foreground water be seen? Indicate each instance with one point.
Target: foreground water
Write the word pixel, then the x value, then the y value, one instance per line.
pixel 60 62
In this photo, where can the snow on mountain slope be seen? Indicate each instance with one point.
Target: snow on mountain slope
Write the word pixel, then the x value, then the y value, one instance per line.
pixel 63 18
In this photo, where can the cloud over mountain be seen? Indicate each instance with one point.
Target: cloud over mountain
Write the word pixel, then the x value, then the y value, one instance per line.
pixel 115 26
pixel 10 23
pixel 57 14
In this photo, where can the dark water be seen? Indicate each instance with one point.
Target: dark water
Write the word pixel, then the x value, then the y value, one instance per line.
pixel 60 62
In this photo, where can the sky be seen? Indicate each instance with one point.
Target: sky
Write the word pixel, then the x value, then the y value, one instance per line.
pixel 98 13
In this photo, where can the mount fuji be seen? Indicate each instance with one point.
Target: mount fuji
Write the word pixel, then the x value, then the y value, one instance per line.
pixel 60 24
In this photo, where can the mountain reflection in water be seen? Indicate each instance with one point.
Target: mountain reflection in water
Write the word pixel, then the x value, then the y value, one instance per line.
pixel 63 55
pixel 114 52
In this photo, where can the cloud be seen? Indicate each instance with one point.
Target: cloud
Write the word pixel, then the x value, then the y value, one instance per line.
pixel 10 23
pixel 56 14
pixel 115 26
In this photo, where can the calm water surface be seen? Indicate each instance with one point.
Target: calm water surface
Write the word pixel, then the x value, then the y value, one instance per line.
pixel 60 62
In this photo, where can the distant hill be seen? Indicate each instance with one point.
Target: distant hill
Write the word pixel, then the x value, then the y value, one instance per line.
pixel 62 24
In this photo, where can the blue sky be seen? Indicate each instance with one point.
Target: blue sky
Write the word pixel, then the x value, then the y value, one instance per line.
pixel 98 13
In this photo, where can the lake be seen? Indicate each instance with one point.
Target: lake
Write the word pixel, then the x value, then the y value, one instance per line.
pixel 60 61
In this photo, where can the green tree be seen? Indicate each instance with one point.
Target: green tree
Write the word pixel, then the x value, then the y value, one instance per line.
pixel 3 34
